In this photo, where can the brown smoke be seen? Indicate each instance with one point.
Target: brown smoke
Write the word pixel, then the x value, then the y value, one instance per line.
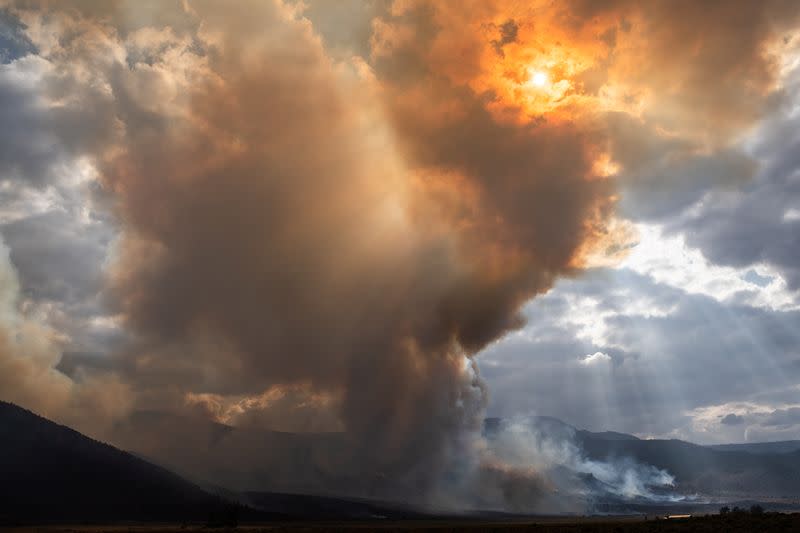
pixel 275 237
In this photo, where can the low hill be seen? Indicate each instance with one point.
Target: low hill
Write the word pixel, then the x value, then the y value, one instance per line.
pixel 757 470
pixel 50 472
pixel 707 471
pixel 784 446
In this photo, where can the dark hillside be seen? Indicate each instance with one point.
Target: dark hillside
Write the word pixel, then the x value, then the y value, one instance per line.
pixel 51 473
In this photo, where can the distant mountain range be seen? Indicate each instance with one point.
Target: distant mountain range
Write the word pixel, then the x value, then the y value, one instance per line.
pixel 769 470
pixel 785 446
pixel 51 473
pixel 707 471
pixel 302 462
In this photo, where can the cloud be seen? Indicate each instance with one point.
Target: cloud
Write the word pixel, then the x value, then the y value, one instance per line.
pixel 28 157
pixel 753 224
pixel 731 419
pixel 29 352
pixel 675 354
pixel 13 41
pixel 295 409
pixel 52 244
pixel 508 34
pixel 666 257
pixel 783 417
pixel 58 258
pixel 595 359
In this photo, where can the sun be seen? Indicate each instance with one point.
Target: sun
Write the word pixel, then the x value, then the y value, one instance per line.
pixel 539 79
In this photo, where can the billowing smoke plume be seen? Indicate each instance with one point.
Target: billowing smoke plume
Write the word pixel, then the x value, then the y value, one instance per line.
pixel 274 235
pixel 345 235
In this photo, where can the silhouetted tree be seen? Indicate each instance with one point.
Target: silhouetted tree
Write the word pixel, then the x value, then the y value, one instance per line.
pixel 224 514
pixel 724 509
pixel 756 509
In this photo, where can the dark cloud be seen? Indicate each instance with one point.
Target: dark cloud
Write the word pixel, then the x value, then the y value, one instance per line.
pixel 508 34
pixel 28 146
pixel 732 419
pixel 757 223
pixel 783 417
pixel 58 258
pixel 13 41
pixel 663 175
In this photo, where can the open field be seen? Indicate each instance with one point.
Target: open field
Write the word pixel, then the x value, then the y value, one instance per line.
pixel 731 523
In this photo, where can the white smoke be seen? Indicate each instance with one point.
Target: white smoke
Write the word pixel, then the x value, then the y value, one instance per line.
pixel 551 449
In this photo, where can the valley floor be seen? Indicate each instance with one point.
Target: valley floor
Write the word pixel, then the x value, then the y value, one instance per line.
pixel 731 523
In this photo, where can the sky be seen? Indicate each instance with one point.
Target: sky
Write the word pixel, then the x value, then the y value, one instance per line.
pixel 394 218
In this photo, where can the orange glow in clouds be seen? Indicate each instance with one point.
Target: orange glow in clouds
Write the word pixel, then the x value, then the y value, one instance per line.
pixel 539 79
pixel 533 82
pixel 532 62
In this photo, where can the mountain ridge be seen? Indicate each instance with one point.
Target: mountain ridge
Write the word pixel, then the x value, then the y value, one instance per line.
pixel 50 470
pixel 53 473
